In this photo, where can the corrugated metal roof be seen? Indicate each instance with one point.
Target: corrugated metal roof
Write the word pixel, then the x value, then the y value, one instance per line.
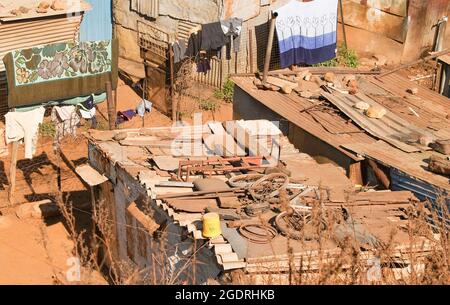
pixel 290 106
pixel 29 33
pixel 431 107
pixel 412 164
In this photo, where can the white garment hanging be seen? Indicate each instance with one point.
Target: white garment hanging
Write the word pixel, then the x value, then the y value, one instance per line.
pixel 24 125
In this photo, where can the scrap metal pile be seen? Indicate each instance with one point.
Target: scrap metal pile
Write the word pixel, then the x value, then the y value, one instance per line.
pixel 251 205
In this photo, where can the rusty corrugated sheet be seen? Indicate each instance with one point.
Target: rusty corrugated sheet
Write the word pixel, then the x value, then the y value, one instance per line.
pixel 29 33
pixel 148 8
pixel 290 108
pixel 390 128
pixel 413 164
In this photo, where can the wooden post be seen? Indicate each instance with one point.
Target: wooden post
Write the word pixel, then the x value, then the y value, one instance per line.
pixel 111 108
pixel 250 41
pixel 144 88
pixel 380 174
pixel 341 6
pixel 355 173
pixel 269 47
pixel 12 172
pixel 172 90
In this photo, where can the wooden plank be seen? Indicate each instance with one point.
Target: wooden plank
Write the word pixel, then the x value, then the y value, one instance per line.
pixel 281 82
pixel 375 20
pixel 355 173
pixel 90 175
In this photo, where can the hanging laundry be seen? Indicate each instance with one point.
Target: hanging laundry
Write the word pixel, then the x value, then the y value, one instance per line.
pixel 179 50
pixel 89 103
pixel 143 107
pixel 213 37
pixel 66 121
pixel 24 125
pixel 123 116
pixel 232 30
pixel 203 65
pixel 307 32
pixel 194 44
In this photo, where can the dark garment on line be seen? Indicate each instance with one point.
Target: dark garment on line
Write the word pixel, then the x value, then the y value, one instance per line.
pixel 179 51
pixel 194 44
pixel 89 103
pixel 203 65
pixel 213 37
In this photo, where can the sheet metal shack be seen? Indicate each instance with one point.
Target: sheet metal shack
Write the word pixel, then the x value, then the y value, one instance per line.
pixel 137 170
pixel 29 28
pixel 332 130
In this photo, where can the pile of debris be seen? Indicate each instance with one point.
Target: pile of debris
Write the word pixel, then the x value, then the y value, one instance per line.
pixel 353 93
pixel 248 206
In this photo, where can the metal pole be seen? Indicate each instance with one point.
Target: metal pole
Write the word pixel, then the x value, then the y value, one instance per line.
pixel 341 5
pixel 269 46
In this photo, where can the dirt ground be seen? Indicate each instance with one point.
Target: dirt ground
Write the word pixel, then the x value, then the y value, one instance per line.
pixel 35 251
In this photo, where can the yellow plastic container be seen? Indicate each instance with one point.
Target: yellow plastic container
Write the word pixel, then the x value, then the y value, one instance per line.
pixel 211 225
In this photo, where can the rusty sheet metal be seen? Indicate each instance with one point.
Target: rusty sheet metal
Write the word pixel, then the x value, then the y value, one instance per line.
pixel 290 106
pixel 411 164
pixel 399 7
pixel 375 20
pixel 333 126
pixel 432 108
pixel 398 85
pixel 148 8
pixel 389 128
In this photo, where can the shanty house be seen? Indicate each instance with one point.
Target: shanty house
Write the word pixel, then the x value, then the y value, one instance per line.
pixel 148 28
pixel 392 152
pixel 26 29
pixel 148 188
